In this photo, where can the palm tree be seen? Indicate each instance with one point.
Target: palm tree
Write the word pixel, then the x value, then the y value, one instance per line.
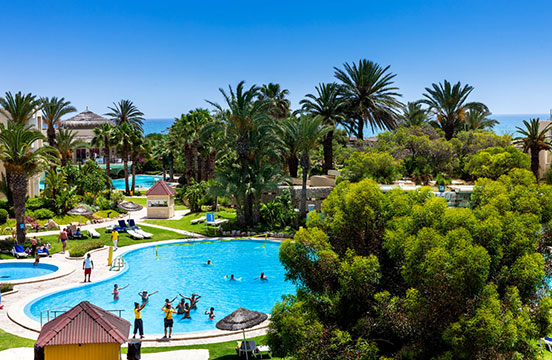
pixel 126 112
pixel 330 106
pixel 289 135
pixel 19 108
pixel 103 138
pixel 67 142
pixel 53 110
pixel 414 115
pixel 479 120
pixel 185 132
pixel 276 97
pixel 54 182
pixel 310 131
pixel 448 103
pixel 137 147
pixel 22 159
pixel 123 135
pixel 368 88
pixel 161 151
pixel 534 139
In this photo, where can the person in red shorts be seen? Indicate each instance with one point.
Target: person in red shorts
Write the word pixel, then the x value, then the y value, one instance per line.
pixel 87 265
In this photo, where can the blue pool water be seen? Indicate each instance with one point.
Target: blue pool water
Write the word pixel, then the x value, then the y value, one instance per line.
pixel 19 270
pixel 142 181
pixel 181 269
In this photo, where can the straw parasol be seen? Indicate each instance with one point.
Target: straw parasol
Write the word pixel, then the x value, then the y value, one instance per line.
pixel 85 120
pixel 241 319
pixel 80 211
pixel 129 206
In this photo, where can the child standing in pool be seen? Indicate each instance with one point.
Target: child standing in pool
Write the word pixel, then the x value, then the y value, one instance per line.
pixel 145 296
pixel 211 313
pixel 116 290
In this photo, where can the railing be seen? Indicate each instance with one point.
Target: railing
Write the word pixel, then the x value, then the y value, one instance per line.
pixel 53 313
pixel 118 263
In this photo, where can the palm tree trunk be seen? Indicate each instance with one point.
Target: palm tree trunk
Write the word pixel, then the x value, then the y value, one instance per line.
pixel 293 164
pixel 211 167
pixel 125 166
pixel 133 169
pixel 195 153
pixel 171 166
pixel 327 144
pixel 19 183
pixel 188 162
pixel 107 159
pixel 305 166
pixel 360 129
pixel 449 129
pixel 535 162
pixel 51 133
pixel 164 168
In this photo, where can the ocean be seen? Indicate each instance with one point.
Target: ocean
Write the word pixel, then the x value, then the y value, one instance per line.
pixel 507 124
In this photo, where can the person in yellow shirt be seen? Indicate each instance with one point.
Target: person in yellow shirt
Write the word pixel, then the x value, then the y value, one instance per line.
pixel 114 238
pixel 138 323
pixel 168 310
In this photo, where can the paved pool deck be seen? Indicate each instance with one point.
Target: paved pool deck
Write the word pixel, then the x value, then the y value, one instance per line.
pixel 14 320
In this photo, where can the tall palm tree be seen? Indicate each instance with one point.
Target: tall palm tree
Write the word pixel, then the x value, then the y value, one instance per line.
pixel 123 134
pixel 19 108
pixel 126 112
pixel 161 151
pixel 330 106
pixel 368 88
pixel 449 105
pixel 276 97
pixel 414 115
pixel 103 139
pixel 310 131
pixel 186 131
pixel 534 139
pixel 67 142
pixel 289 136
pixel 22 160
pixel 137 148
pixel 53 110
pixel 479 120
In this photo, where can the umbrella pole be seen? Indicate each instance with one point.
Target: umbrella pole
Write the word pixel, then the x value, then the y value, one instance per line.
pixel 246 345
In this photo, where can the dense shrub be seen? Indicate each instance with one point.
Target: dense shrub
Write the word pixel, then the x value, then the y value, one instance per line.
pixel 194 194
pixel 378 166
pixel 43 214
pixel 116 198
pixel 79 249
pixel 496 161
pixel 3 216
pixel 5 287
pixel 35 203
pixel 278 214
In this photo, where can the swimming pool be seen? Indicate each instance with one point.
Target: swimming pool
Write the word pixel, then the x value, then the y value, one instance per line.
pixel 180 268
pixel 10 270
pixel 142 181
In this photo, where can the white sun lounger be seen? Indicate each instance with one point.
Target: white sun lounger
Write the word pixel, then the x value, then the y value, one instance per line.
pixel 93 233
pixel 198 220
pixel 133 234
pixel 217 222
pixel 145 234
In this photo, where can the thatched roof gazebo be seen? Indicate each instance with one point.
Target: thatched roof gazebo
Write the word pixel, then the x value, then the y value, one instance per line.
pixel 242 319
pixel 85 120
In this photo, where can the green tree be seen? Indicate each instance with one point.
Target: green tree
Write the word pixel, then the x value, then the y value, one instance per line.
pixel 371 96
pixel 534 140
pixel 329 104
pixel 22 159
pixel 124 134
pixel 448 103
pixel 496 161
pixel 125 112
pixel 19 108
pixel 92 179
pixel 138 147
pixel 54 182
pixel 65 144
pixel 103 139
pixel 194 194
pixel 478 119
pixel 378 166
pixel 275 96
pixel 53 109
pixel 414 115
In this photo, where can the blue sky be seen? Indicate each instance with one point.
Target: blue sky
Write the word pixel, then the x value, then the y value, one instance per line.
pixel 169 56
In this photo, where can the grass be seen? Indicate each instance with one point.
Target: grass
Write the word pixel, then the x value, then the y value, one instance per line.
pixel 61 220
pixel 178 205
pixel 185 222
pixel 6 257
pixel 105 238
pixel 8 341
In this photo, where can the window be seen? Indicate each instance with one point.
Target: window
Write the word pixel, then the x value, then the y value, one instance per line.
pixel 158 203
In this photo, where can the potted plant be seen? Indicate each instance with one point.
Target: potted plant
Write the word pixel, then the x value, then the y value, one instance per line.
pixel 442 180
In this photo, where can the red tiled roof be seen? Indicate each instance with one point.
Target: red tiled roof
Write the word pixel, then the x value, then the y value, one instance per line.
pixel 160 188
pixel 84 324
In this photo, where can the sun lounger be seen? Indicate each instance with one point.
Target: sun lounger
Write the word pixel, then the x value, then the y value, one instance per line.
pixel 243 347
pixel 547 343
pixel 145 234
pixel 262 350
pixel 93 233
pixel 132 224
pixel 198 220
pixel 217 222
pixel 134 235
pixel 43 252
pixel 18 251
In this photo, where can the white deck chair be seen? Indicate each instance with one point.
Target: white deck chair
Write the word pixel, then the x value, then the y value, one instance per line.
pixel 133 234
pixel 93 233
pixel 145 235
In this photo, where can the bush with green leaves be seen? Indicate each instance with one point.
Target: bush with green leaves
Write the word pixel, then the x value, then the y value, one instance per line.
pixel 116 198
pixel 3 216
pixel 378 166
pixel 36 203
pixel 79 249
pixel 400 275
pixel 43 214
pixel 279 214
pixel 194 194
pixel 496 161
pixel 4 287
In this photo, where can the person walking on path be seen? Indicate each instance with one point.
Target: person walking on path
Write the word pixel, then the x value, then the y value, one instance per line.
pixel 87 265
pixel 34 242
pixel 63 237
pixel 168 321
pixel 115 238
pixel 138 323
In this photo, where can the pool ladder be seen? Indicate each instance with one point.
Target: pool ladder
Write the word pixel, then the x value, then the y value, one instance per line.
pixel 50 314
pixel 118 263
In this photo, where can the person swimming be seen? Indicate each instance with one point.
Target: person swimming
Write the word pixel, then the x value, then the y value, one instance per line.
pixel 193 300
pixel 116 290
pixel 262 277
pixel 211 313
pixel 232 278
pixel 169 302
pixel 208 262
pixel 145 296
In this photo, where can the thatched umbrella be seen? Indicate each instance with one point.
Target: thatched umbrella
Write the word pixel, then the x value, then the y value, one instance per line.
pixel 242 319
pixel 85 120
pixel 129 206
pixel 80 211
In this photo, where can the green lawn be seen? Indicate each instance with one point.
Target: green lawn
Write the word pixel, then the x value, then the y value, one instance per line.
pixel 8 341
pixel 105 238
pixel 178 205
pixel 185 224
